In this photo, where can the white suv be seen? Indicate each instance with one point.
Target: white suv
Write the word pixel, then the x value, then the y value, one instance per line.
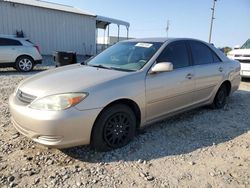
pixel 19 53
pixel 243 55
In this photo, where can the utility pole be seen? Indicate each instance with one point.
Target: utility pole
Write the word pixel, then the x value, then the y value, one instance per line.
pixel 167 28
pixel 212 21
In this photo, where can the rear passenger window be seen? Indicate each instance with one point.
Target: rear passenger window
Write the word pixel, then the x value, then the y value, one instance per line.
pixel 175 53
pixel 9 42
pixel 201 53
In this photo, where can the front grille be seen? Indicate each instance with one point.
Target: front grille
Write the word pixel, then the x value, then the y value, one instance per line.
pixel 24 97
pixel 241 55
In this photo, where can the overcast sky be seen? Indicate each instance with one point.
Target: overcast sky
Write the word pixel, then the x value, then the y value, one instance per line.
pixel 188 18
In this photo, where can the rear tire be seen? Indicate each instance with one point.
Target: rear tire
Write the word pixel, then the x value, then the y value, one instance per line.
pixel 24 64
pixel 114 128
pixel 220 98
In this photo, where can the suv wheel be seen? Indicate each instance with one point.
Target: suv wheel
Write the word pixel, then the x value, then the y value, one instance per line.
pixel 24 64
pixel 114 128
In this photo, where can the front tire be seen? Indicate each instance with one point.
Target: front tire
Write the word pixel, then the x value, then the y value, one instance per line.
pixel 114 128
pixel 220 98
pixel 24 64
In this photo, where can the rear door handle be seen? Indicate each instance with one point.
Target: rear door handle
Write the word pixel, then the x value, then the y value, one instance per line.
pixel 221 69
pixel 189 76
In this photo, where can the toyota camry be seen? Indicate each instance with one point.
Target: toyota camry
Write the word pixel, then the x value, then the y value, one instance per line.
pixel 104 101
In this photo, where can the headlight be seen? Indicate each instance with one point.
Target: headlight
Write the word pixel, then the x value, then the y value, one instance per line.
pixel 18 86
pixel 58 102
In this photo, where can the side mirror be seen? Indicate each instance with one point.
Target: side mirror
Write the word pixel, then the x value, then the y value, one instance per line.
pixel 162 67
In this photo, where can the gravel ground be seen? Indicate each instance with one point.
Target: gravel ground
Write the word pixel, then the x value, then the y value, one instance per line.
pixel 201 148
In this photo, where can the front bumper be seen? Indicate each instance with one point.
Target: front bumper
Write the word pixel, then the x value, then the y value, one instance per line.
pixel 59 129
pixel 245 69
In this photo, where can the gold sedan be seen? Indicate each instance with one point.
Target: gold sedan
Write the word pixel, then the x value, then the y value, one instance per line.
pixel 131 84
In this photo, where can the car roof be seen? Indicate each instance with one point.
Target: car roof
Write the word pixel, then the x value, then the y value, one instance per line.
pixel 13 37
pixel 161 39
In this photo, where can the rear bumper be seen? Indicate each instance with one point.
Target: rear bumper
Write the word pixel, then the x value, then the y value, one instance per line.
pixel 59 129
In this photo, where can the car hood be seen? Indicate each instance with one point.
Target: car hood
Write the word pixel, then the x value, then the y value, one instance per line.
pixel 73 78
pixel 239 52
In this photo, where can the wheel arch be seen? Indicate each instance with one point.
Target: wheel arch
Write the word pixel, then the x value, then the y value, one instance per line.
pixel 130 103
pixel 24 55
pixel 228 85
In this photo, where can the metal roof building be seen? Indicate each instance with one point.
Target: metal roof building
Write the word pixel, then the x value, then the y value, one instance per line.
pixel 54 27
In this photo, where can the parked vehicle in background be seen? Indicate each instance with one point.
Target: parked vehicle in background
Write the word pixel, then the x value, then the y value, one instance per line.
pixel 18 53
pixel 243 55
pixel 127 86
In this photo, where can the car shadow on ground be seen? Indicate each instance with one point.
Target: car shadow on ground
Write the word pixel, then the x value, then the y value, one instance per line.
pixel 180 134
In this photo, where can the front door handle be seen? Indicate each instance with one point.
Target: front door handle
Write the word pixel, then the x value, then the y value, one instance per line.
pixel 189 76
pixel 221 69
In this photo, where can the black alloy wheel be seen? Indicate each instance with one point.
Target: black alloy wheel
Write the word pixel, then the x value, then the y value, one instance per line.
pixel 114 128
pixel 220 98
pixel 117 129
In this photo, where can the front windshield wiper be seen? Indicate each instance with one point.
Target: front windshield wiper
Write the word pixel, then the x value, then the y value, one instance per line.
pixel 99 66
pixel 110 68
pixel 120 69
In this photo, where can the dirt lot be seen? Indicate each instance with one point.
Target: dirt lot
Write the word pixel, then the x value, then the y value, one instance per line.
pixel 202 148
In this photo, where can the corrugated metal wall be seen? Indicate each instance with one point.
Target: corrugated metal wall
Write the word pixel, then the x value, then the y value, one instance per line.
pixel 52 30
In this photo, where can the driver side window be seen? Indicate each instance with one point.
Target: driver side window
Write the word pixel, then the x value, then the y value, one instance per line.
pixel 175 53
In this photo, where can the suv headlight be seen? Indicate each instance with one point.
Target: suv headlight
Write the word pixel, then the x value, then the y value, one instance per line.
pixel 58 102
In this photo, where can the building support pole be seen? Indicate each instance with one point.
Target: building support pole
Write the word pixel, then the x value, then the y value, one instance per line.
pixel 118 39
pixel 127 32
pixel 108 41
pixel 104 42
pixel 96 42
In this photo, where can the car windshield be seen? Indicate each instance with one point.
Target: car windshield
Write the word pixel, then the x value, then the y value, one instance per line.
pixel 125 56
pixel 246 45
